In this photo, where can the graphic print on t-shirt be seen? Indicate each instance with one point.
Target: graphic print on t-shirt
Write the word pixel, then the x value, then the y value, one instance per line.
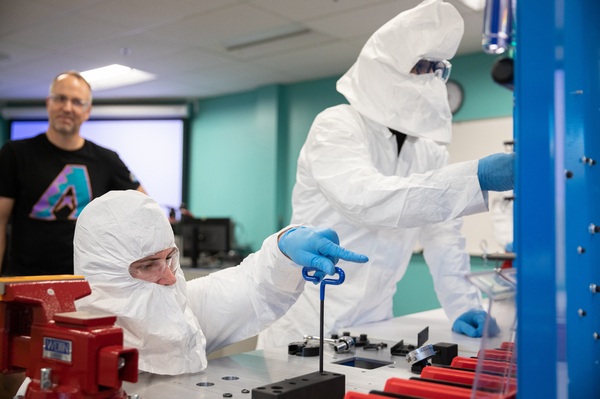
pixel 66 196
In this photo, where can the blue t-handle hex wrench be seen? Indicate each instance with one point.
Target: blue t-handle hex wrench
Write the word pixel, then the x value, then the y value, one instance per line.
pixel 313 278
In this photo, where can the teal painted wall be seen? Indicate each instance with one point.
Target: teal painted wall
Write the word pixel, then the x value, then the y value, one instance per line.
pixel 415 293
pixel 233 162
pixel 483 98
pixel 303 102
pixel 4 133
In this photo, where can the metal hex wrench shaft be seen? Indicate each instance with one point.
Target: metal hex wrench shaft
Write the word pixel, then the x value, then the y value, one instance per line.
pixel 313 278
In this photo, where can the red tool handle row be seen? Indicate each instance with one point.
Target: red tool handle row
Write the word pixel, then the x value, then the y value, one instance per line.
pixel 456 381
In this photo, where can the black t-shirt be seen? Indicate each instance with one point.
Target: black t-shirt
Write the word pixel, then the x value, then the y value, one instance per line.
pixel 51 187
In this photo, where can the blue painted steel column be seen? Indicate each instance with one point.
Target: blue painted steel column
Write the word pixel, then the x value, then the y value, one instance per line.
pixel 582 104
pixel 557 118
pixel 535 199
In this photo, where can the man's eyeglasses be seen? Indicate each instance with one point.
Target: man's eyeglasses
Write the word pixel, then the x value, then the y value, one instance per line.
pixel 441 69
pixel 75 102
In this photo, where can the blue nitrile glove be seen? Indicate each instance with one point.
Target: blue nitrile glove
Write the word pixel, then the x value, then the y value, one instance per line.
pixel 316 247
pixel 471 323
pixel 497 172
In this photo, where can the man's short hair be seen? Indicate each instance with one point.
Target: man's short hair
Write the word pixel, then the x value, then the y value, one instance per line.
pixel 76 75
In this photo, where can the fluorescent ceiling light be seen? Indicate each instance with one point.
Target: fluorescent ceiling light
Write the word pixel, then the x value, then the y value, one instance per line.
pixel 476 5
pixel 266 36
pixel 115 75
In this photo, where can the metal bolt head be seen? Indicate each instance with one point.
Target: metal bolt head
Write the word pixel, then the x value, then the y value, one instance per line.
pixel 596 336
pixel 581 312
pixel 568 174
pixel 593 288
pixel 580 250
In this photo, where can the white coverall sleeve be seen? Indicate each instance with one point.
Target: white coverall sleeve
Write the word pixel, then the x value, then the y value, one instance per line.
pixel 449 263
pixel 339 161
pixel 237 303
pixel 444 250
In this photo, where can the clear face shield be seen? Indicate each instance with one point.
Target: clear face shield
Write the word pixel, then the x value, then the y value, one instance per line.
pixel 441 69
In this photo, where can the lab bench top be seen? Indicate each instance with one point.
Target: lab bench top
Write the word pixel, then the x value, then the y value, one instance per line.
pixel 243 372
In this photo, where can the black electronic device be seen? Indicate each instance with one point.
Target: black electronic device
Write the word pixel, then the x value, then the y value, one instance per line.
pixel 207 235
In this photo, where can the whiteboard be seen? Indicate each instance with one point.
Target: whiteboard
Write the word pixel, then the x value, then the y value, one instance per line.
pixel 475 140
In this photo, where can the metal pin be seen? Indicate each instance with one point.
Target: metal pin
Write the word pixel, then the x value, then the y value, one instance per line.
pixel 46 378
pixel 593 228
pixel 581 312
pixel 587 160
pixel 580 250
pixel 596 336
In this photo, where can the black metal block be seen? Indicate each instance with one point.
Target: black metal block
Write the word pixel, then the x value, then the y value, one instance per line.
pixel 305 349
pixel 444 353
pixel 315 385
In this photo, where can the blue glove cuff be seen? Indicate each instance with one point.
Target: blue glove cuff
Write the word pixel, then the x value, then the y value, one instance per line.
pixel 282 239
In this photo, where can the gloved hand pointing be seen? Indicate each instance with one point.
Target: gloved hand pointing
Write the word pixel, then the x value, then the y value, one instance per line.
pixel 497 172
pixel 471 323
pixel 316 247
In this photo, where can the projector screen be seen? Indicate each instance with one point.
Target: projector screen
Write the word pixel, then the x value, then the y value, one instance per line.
pixel 151 149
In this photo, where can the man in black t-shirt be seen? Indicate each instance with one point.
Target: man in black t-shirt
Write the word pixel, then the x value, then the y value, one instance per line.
pixel 47 180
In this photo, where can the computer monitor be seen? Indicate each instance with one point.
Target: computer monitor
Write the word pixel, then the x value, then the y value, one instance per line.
pixel 210 236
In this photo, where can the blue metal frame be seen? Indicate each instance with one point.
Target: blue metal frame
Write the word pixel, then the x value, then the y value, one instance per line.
pixel 557 118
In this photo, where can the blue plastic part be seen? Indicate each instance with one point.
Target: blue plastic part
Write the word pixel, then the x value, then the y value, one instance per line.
pixel 326 281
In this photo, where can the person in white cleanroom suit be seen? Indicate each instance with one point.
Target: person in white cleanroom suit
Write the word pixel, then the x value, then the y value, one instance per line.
pixel 125 248
pixel 353 177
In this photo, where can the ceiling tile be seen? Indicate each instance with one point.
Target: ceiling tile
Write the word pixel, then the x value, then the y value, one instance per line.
pixel 53 65
pixel 140 46
pixel 186 59
pixel 33 90
pixel 20 14
pixel 360 22
pixel 281 46
pixel 66 31
pixel 471 41
pixel 14 53
pixel 307 9
pixel 11 79
pixel 140 13
pixel 331 59
pixel 215 28
pixel 70 4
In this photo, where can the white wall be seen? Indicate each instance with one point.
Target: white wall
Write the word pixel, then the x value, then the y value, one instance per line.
pixel 475 140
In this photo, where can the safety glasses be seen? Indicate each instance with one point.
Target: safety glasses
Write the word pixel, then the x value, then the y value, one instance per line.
pixel 153 268
pixel 441 69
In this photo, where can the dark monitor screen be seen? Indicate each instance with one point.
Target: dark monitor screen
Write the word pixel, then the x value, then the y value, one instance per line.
pixel 209 236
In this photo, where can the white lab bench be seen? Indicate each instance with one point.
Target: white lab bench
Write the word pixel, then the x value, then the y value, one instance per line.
pixel 245 371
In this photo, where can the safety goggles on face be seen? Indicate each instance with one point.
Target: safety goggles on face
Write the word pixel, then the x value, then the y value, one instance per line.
pixel 441 69
pixel 75 102
pixel 153 270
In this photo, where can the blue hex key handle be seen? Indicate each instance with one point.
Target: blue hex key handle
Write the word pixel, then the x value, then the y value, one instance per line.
pixel 324 282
